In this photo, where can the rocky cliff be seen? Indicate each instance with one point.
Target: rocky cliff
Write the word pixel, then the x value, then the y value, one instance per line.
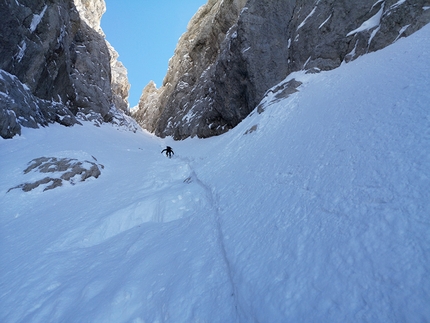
pixel 197 49
pixel 234 51
pixel 54 52
pixel 91 11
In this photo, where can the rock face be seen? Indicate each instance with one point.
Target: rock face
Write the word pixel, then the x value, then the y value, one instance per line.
pixel 91 11
pixel 234 51
pixel 57 52
pixel 119 81
pixel 198 49
pixel 19 107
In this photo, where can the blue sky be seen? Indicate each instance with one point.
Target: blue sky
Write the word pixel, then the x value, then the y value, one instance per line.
pixel 145 34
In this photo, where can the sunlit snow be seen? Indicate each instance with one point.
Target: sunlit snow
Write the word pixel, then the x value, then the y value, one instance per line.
pixel 319 214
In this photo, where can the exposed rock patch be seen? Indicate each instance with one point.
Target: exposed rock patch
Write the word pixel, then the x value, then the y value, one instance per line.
pixel 60 170
pixel 251 130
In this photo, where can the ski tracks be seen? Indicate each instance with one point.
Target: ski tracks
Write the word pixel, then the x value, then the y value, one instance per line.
pixel 213 200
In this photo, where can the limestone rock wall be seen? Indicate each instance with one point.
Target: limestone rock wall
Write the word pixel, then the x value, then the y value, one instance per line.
pixel 119 81
pixel 57 51
pixel 197 50
pixel 91 11
pixel 234 51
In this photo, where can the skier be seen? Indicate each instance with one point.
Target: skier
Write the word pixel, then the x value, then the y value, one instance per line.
pixel 168 151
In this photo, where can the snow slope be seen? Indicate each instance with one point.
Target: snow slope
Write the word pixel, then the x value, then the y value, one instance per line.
pixel 319 215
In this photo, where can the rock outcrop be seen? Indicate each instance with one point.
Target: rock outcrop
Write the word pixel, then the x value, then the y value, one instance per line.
pixel 234 51
pixel 58 53
pixel 52 172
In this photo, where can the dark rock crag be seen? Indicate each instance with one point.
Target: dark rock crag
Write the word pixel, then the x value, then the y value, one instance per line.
pixel 234 51
pixel 19 107
pixel 56 65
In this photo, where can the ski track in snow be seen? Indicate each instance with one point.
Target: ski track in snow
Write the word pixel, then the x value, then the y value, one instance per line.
pixel 214 202
pixel 320 214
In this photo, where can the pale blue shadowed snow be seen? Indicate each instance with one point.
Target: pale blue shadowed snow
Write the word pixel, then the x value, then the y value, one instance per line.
pixel 321 214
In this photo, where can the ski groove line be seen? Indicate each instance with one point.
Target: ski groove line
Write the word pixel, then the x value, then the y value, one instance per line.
pixel 214 202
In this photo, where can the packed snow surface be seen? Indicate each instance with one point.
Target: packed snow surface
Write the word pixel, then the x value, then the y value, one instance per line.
pixel 319 213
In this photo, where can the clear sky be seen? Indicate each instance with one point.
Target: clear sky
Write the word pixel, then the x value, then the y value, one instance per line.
pixel 145 34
